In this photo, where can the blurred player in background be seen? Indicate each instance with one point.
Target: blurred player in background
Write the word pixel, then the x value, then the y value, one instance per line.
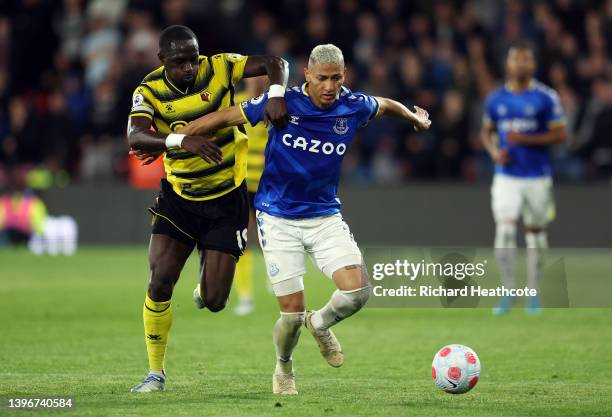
pixel 24 219
pixel 22 212
pixel 527 118
pixel 203 202
pixel 298 212
pixel 59 237
pixel 258 137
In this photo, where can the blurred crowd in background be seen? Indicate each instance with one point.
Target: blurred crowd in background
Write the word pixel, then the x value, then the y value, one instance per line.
pixel 68 69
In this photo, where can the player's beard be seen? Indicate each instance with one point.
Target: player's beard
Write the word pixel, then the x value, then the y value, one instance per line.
pixel 327 100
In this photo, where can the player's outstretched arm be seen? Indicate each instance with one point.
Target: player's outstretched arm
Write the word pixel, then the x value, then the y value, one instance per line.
pixel 147 145
pixel 277 70
pixel 230 116
pixel 419 118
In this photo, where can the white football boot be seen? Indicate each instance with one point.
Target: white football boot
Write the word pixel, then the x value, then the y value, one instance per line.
pixel 152 383
pixel 284 384
pixel 328 343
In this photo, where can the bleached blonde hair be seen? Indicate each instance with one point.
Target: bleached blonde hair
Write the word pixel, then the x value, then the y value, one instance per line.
pixel 326 54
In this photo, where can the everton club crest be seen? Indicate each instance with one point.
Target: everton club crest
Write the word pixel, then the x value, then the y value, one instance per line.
pixel 341 126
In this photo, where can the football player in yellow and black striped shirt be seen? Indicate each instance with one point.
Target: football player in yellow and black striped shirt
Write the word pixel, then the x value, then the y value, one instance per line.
pixel 203 202
pixel 258 138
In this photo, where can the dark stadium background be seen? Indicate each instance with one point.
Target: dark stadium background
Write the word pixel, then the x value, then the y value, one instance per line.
pixel 68 69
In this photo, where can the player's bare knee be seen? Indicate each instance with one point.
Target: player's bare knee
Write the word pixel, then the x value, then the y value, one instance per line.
pixel 351 277
pixel 290 304
pixel 364 283
pixel 161 286
pixel 292 307
pixel 160 290
pixel 365 277
pixel 215 303
pixel 161 283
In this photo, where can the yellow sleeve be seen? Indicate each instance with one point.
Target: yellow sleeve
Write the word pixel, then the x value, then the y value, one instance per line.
pixel 241 96
pixel 233 64
pixel 246 119
pixel 142 102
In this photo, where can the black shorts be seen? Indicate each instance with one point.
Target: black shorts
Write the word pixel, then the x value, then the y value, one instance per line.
pixel 218 224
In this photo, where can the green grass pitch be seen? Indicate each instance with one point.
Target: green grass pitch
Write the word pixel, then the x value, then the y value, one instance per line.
pixel 73 327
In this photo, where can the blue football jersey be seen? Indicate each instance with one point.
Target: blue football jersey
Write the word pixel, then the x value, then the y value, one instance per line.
pixel 535 110
pixel 303 160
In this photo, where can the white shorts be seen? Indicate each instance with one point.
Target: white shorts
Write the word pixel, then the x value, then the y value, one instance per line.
pixel 532 198
pixel 285 242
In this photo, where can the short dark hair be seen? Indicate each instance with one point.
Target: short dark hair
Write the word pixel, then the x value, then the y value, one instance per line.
pixel 523 45
pixel 175 33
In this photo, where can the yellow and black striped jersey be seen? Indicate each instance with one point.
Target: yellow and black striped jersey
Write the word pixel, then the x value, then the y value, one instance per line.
pixel 258 138
pixel 170 109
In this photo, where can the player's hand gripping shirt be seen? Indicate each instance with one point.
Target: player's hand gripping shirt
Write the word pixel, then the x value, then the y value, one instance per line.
pixel 303 160
pixel 170 109
pixel 535 110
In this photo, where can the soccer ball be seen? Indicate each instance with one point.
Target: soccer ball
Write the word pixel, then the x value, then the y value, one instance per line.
pixel 455 369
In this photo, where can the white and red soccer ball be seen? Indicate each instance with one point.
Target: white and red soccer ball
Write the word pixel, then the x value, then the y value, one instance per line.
pixel 455 369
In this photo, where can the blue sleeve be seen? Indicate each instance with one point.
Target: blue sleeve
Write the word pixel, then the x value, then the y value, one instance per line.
pixel 488 118
pixel 253 109
pixel 553 111
pixel 368 108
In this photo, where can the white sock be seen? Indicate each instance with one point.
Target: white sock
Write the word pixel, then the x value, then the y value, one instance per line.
pixel 69 235
pixel 536 243
pixel 37 244
pixel 342 304
pixel 505 252
pixel 285 336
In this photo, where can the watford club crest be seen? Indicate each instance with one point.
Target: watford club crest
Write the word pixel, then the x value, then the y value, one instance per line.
pixel 205 96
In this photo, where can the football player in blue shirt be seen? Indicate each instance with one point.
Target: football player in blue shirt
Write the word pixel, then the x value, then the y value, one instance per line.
pixel 527 118
pixel 298 212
